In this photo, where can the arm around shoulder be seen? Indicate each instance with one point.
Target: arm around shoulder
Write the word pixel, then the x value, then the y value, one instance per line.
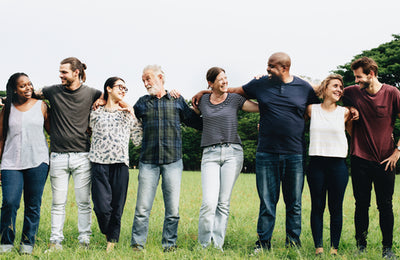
pixel 250 106
pixel 238 90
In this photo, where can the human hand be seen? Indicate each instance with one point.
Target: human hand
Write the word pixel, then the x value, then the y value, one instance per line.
pixel 259 76
pixel 355 115
pixel 98 103
pixel 175 93
pixel 392 160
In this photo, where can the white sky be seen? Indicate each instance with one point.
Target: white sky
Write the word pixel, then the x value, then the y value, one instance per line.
pixel 119 38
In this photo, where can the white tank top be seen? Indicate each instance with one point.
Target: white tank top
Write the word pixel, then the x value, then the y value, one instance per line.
pixel 26 145
pixel 327 132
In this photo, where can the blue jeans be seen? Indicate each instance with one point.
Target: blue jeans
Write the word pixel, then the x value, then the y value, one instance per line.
pixel 271 170
pixel 220 167
pixel 149 176
pixel 31 182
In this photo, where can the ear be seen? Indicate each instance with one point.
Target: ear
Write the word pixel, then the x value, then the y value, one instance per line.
pixel 76 73
pixel 210 84
pixel 371 74
pixel 109 89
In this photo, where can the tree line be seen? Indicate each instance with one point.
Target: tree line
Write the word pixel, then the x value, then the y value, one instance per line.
pixel 387 55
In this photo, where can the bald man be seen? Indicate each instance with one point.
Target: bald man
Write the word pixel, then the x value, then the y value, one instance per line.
pixel 282 99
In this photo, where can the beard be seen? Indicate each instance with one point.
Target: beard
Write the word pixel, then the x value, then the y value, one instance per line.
pixel 67 82
pixel 153 90
pixel 364 85
pixel 274 78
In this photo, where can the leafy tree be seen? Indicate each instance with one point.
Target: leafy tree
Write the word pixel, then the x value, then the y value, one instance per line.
pixel 386 55
pixel 191 148
pixel 248 132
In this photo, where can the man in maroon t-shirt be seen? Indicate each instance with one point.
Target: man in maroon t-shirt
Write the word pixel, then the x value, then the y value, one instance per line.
pixel 373 152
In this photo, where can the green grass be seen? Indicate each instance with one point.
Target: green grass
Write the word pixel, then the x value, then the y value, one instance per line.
pixel 241 233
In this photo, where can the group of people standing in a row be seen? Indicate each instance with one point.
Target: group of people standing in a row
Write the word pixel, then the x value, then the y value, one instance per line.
pixel 101 167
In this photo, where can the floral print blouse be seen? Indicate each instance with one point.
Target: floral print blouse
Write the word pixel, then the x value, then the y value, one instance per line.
pixel 110 135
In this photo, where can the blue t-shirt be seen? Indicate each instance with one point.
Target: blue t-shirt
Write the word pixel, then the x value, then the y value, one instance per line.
pixel 282 107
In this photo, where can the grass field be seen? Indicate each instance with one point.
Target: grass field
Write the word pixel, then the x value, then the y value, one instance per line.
pixel 241 233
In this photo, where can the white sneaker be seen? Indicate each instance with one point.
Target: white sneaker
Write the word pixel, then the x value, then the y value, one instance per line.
pixel 54 247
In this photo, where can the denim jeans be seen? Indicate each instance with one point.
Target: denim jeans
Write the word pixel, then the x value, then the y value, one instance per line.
pixel 220 167
pixel 327 175
pixel 271 170
pixel 31 182
pixel 364 174
pixel 62 166
pixel 149 176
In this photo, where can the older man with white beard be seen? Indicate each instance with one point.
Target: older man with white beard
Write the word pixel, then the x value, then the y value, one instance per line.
pixel 161 155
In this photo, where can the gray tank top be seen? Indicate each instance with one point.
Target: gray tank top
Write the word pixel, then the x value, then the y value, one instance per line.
pixel 26 145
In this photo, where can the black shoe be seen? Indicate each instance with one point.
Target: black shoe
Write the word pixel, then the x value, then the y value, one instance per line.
pixel 261 246
pixel 387 253
pixel 361 249
pixel 170 249
pixel 292 243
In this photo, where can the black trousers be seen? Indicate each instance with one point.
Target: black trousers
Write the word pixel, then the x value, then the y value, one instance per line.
pixel 364 174
pixel 327 176
pixel 109 189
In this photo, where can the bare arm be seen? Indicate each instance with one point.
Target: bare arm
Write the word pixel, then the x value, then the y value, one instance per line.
pixel 391 161
pixel 46 116
pixel 99 102
pixel 39 94
pixel 308 112
pixel 1 133
pixel 238 90
pixel 250 106
pixel 196 98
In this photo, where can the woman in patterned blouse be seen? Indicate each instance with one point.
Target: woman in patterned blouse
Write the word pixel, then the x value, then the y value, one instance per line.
pixel 112 125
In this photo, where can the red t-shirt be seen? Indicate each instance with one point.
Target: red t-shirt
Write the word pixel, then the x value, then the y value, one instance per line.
pixel 372 134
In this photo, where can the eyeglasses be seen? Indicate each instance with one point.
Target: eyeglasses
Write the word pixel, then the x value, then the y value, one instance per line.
pixel 121 87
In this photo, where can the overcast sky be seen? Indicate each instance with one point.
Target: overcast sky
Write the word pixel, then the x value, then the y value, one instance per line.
pixel 119 38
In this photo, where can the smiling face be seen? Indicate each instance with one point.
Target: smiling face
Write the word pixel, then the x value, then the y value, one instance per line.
pixel 68 76
pixel 274 69
pixel 220 85
pixel 334 90
pixel 117 91
pixel 24 89
pixel 362 79
pixel 152 82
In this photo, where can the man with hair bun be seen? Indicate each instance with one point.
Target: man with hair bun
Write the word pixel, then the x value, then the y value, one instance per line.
pixel 70 104
pixel 373 152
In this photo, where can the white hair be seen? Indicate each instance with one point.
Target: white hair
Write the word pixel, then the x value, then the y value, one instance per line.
pixel 156 69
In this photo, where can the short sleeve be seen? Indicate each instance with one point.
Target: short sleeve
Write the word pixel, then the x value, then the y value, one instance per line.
pixel 251 88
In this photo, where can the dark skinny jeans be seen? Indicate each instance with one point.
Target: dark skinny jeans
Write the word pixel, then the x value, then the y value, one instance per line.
pixel 327 175
pixel 364 174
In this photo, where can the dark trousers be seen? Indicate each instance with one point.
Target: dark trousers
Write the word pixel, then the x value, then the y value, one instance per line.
pixel 31 182
pixel 109 189
pixel 327 175
pixel 364 174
